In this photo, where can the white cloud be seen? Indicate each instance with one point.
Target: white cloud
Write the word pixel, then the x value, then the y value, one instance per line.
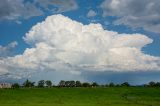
pixel 91 13
pixel 62 44
pixel 6 50
pixel 134 13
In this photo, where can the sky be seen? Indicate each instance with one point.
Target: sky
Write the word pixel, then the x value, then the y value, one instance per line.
pixel 88 40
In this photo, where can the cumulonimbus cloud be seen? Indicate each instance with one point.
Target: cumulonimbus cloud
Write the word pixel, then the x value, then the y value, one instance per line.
pixel 62 44
pixel 134 13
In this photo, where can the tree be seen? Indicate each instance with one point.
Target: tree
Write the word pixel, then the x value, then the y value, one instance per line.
pixel 106 85
pixel 111 84
pixel 86 84
pixel 41 83
pixel 67 83
pixel 72 83
pixel 28 83
pixel 15 85
pixel 145 85
pixel 32 84
pixel 152 84
pixel 78 84
pixel 117 85
pixel 61 83
pixel 126 84
pixel 94 84
pixel 48 83
pixel 158 84
pixel 102 85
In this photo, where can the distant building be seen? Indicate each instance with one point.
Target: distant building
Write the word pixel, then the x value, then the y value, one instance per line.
pixel 5 85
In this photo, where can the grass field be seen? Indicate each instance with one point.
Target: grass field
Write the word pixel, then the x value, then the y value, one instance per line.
pixel 116 96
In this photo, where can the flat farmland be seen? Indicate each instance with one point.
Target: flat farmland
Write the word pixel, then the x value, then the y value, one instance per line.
pixel 109 96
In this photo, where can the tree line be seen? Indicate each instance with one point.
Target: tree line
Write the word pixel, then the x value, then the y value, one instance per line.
pixel 72 83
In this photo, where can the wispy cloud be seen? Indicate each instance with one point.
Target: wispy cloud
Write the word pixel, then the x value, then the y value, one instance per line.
pixel 6 50
pixel 134 13
pixel 91 13
pixel 60 5
pixel 13 10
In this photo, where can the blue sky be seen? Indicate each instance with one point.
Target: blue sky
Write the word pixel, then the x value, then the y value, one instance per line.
pixel 135 17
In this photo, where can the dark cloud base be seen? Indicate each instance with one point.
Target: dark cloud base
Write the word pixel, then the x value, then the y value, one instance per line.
pixel 135 78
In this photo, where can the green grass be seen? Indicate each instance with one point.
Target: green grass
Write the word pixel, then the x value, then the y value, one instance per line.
pixel 115 96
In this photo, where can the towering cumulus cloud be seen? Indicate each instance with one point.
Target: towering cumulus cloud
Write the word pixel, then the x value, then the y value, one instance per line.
pixel 61 44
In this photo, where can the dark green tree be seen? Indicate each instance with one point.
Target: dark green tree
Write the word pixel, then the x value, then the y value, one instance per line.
pixel 15 85
pixel 61 83
pixel 117 85
pixel 28 83
pixel 67 83
pixel 94 84
pixel 48 83
pixel 106 85
pixel 41 83
pixel 111 84
pixel 152 84
pixel 126 84
pixel 86 84
pixel 72 83
pixel 158 84
pixel 78 84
